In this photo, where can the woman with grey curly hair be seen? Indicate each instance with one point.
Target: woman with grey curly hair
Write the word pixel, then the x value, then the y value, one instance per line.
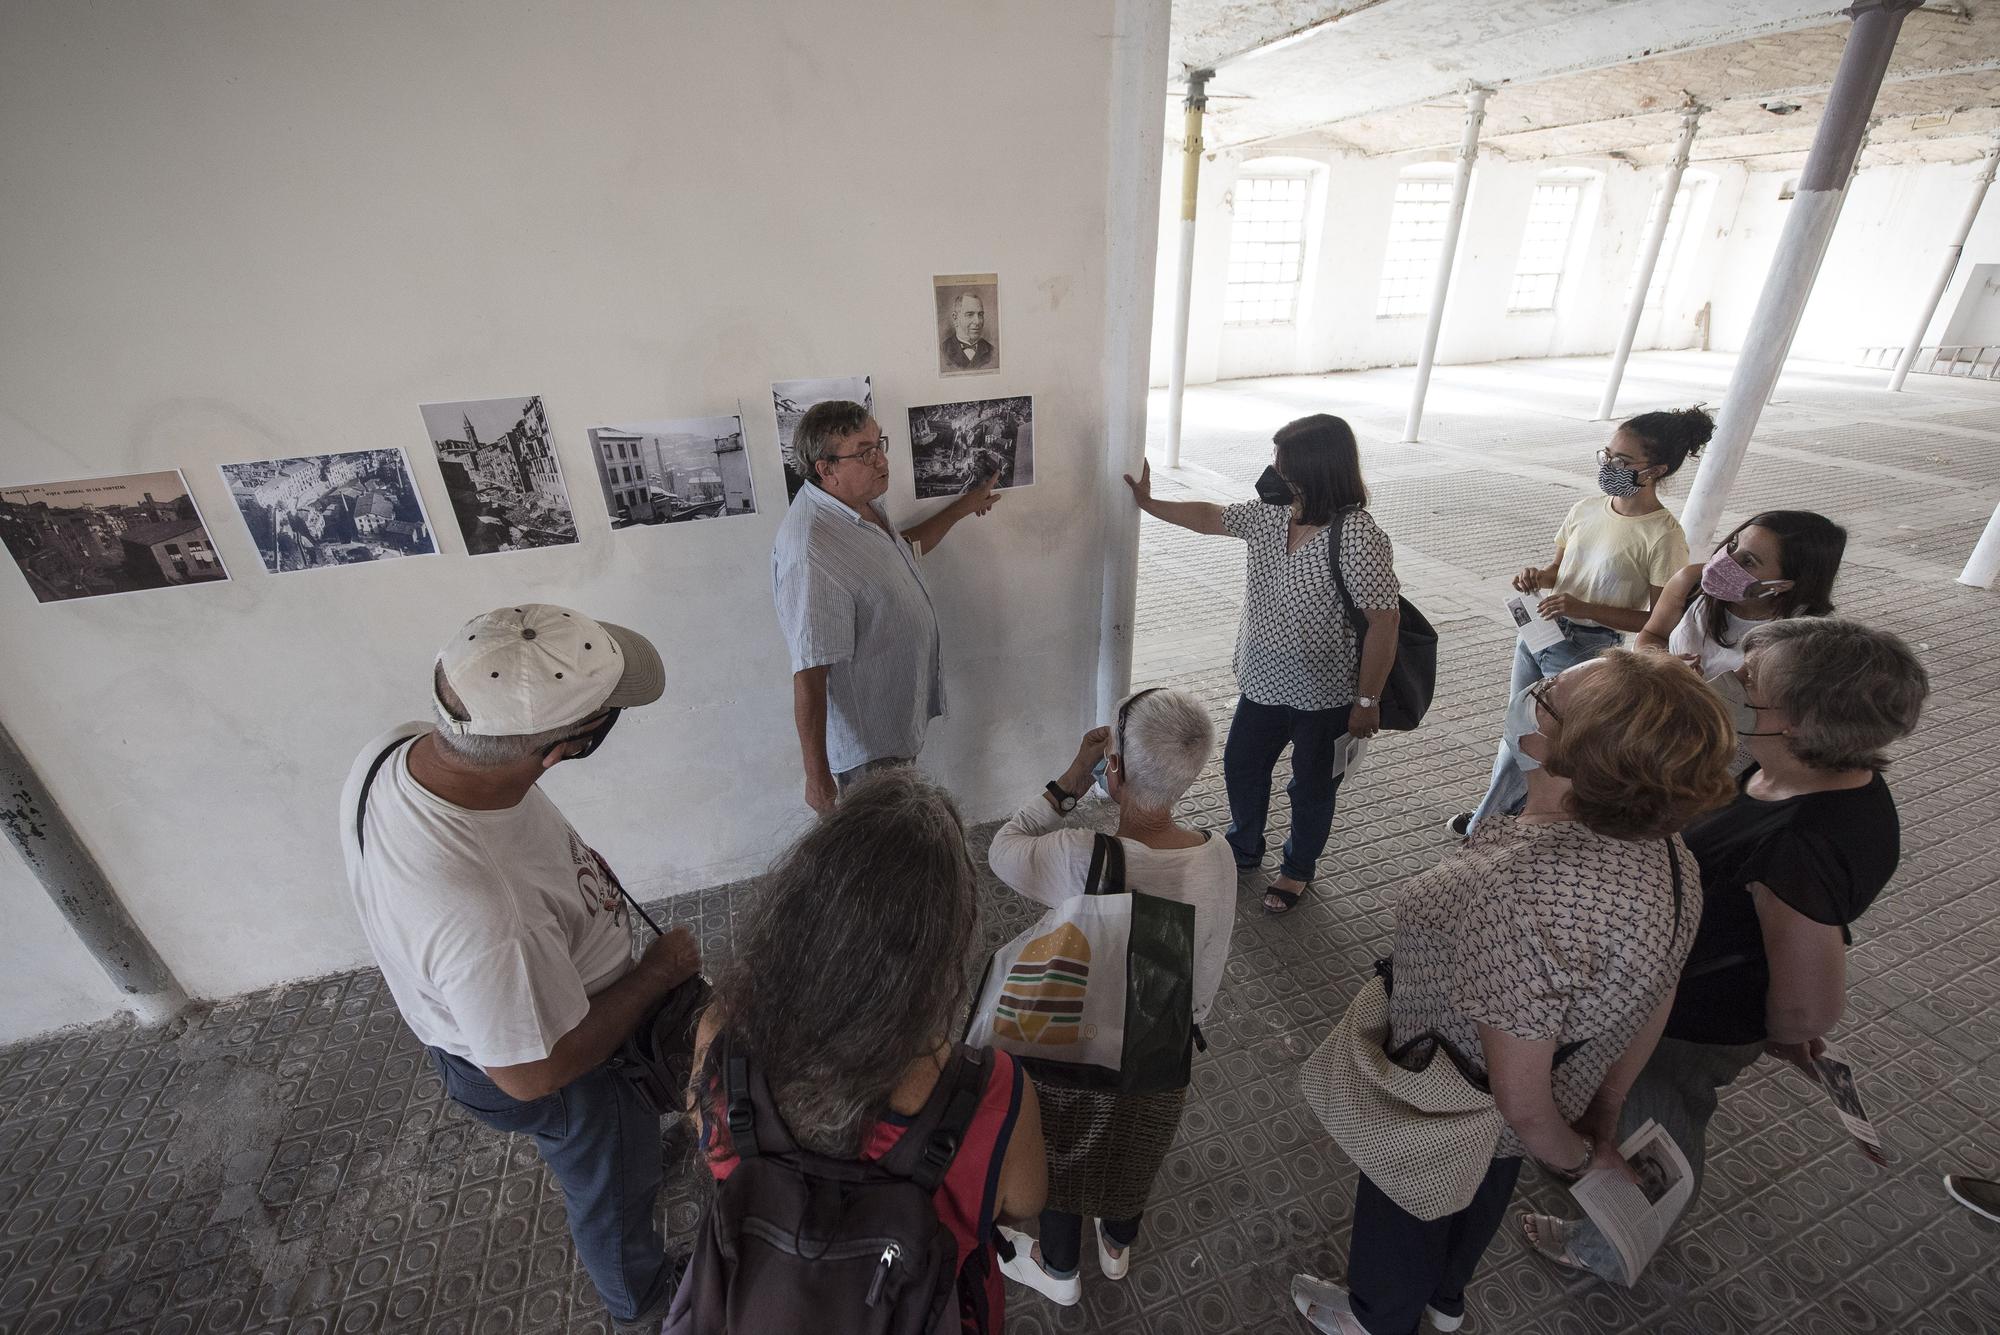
pixel 849 981
pixel 1105 1148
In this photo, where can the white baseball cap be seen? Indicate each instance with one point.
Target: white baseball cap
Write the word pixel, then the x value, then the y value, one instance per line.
pixel 539 667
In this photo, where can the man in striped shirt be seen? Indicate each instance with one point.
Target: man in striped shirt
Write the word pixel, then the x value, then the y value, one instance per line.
pixel 867 674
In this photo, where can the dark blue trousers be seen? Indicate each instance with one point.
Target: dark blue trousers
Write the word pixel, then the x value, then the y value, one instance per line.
pixel 603 1145
pixel 1398 1264
pixel 1257 734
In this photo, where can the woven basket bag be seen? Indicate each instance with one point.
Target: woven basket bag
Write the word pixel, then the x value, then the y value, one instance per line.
pixel 1426 1137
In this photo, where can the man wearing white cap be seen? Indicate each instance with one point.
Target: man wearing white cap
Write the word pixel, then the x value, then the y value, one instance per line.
pixel 502 935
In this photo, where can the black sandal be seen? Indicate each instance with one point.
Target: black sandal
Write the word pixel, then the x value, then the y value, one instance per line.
pixel 1289 899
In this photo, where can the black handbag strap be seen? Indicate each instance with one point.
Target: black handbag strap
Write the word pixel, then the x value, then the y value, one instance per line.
pixel 1674 866
pixel 1107 867
pixel 367 782
pixel 1355 616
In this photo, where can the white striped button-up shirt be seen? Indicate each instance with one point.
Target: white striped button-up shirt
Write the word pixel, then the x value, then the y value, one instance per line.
pixel 850 598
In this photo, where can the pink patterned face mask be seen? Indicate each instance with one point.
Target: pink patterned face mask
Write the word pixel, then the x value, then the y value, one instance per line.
pixel 1725 578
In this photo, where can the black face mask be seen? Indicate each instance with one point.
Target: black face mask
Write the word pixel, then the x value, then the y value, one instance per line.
pixel 588 742
pixel 1273 489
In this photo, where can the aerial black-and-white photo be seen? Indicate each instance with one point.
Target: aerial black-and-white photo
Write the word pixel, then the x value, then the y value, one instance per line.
pixel 107 535
pixel 791 398
pixel 500 470
pixel 322 510
pixel 955 446
pixel 968 322
pixel 673 470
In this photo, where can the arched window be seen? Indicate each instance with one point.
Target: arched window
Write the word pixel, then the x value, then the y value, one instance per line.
pixel 1545 243
pixel 1267 242
pixel 1416 237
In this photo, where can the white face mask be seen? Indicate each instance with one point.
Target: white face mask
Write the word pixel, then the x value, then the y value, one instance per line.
pixel 1521 722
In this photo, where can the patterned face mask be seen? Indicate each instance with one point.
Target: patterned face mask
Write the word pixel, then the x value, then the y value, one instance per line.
pixel 1614 479
pixel 1724 577
pixel 1521 722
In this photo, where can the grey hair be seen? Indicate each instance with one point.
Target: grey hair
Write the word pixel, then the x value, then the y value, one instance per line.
pixel 1848 689
pixel 1167 741
pixel 958 302
pixel 822 424
pixel 851 964
pixel 483 750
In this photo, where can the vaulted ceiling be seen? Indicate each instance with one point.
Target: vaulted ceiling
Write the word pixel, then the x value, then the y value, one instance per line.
pixel 1581 77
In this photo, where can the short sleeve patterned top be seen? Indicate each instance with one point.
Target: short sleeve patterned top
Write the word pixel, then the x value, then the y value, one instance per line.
pixel 1544 931
pixel 1295 645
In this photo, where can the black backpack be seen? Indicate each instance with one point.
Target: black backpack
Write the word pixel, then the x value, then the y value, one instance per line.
pixel 796 1241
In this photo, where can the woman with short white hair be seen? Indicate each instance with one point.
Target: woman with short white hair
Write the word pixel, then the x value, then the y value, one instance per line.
pixel 1106 1148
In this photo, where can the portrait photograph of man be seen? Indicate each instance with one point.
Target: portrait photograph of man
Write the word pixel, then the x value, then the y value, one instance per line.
pixel 968 316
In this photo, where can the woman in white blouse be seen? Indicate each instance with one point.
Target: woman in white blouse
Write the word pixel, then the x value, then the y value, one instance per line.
pixel 1780 563
pixel 1106 1148
pixel 1306 677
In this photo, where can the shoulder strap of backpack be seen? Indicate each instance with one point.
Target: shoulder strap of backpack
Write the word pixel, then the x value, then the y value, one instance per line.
pixel 367 782
pixel 754 1125
pixel 1674 865
pixel 1355 616
pixel 925 1152
pixel 1107 867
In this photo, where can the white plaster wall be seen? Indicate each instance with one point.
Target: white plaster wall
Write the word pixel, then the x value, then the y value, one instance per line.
pixel 234 232
pixel 1884 256
pixel 1337 328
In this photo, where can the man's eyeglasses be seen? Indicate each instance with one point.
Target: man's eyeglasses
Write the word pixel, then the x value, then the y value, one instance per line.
pixel 879 449
pixel 1541 692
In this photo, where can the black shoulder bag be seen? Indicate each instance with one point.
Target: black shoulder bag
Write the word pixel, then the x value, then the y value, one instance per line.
pixel 657 1057
pixel 1413 672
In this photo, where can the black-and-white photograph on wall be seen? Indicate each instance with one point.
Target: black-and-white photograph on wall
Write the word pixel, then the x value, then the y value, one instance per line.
pixel 500 470
pixel 791 398
pixel 673 470
pixel 968 322
pixel 955 446
pixel 104 535
pixel 322 510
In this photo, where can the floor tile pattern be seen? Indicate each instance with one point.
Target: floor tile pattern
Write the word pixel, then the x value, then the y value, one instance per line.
pixel 287 1162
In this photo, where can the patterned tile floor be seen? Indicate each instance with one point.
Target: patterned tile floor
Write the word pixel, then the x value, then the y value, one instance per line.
pixel 287 1164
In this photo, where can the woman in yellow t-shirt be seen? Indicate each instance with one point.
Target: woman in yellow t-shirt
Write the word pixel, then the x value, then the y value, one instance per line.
pixel 1614 553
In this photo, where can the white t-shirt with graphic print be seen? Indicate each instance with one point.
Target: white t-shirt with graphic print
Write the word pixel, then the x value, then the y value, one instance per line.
pixel 1295 645
pixel 493 929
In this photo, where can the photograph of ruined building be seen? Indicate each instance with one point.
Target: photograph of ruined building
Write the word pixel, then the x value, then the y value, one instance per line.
pixel 331 509
pixel 107 535
pixel 500 470
pixel 671 471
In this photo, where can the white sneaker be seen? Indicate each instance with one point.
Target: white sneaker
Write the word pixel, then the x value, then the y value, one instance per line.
pixel 1023 1268
pixel 1439 1321
pixel 1114 1267
pixel 1325 1305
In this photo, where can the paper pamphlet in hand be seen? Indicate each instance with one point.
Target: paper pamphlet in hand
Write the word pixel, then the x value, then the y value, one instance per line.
pixel 1634 1217
pixel 1837 1078
pixel 1536 632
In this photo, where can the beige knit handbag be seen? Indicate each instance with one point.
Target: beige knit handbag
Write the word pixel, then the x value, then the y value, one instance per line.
pixel 1425 1137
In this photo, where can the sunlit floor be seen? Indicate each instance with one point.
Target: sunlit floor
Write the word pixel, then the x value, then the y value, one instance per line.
pixel 288 1163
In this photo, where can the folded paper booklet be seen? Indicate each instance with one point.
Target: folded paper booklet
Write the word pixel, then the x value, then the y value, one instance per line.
pixel 1635 1216
pixel 1836 1077
pixel 1536 632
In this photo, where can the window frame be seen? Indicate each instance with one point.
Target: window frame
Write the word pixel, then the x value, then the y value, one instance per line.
pixel 1577 187
pixel 1406 294
pixel 1297 237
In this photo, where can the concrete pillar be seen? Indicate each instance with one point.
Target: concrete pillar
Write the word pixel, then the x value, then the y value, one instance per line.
pixel 1132 204
pixel 1822 184
pixel 1649 256
pixel 50 846
pixel 1984 565
pixel 1196 104
pixel 1813 284
pixel 1461 183
pixel 1945 272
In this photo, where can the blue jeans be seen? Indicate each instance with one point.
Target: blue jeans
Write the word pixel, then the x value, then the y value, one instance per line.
pixel 603 1145
pixel 1508 788
pixel 1257 734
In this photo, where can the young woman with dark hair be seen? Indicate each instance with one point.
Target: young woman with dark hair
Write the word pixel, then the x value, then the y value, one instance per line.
pixel 1615 554
pixel 1305 677
pixel 1780 563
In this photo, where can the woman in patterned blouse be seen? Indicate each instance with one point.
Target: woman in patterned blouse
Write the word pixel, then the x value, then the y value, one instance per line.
pixel 1304 676
pixel 1561 929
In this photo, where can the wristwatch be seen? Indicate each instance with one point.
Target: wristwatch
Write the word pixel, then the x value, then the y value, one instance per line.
pixel 1065 800
pixel 1367 701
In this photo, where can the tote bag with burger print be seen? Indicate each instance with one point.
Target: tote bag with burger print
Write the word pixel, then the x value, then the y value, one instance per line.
pixel 1100 992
